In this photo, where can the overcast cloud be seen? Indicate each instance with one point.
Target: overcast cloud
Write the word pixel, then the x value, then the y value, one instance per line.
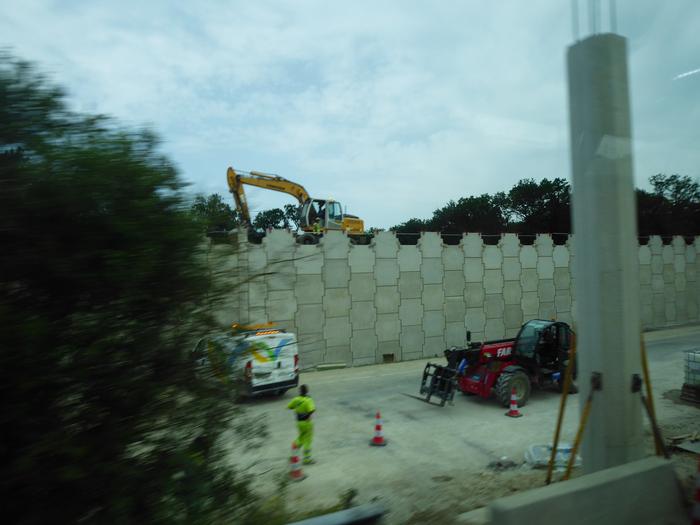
pixel 393 108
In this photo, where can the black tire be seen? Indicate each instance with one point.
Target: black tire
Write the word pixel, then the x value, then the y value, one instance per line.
pixel 307 238
pixel 507 381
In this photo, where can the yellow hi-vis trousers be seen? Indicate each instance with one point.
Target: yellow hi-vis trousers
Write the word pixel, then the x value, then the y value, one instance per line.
pixel 306 434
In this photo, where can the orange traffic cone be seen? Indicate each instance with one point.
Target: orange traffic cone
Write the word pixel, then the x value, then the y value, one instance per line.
pixel 378 439
pixel 513 412
pixel 295 472
pixel 696 506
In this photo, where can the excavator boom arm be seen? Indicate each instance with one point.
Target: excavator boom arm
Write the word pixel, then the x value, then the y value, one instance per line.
pixel 261 180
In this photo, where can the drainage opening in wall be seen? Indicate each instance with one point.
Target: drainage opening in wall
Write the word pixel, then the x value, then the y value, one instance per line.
pixel 388 358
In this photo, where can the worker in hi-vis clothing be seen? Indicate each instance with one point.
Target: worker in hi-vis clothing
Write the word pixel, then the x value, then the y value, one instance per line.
pixel 317 225
pixel 303 407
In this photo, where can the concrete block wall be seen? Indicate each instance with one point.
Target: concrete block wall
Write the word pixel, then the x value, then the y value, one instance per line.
pixel 386 301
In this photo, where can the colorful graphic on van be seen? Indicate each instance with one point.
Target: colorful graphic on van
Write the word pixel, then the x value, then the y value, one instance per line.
pixel 261 351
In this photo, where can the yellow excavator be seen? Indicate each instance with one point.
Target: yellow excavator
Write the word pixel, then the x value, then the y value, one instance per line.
pixel 329 212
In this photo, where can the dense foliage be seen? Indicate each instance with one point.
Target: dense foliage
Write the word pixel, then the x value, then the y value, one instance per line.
pixel 672 207
pixel 103 286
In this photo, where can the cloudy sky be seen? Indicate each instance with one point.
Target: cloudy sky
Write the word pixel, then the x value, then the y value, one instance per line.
pixel 391 107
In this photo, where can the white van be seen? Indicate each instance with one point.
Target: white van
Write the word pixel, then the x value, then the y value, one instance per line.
pixel 256 361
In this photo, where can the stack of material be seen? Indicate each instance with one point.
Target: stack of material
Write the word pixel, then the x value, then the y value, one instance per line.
pixel 691 386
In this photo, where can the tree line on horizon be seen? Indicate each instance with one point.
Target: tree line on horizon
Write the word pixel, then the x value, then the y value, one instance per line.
pixel 670 207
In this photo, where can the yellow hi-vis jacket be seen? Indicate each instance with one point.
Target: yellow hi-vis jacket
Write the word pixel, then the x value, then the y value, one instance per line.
pixel 303 406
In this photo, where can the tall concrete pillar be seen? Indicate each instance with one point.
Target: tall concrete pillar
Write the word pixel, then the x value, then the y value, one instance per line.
pixel 605 230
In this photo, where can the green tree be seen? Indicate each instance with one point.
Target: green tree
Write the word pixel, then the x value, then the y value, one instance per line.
pixel 540 207
pixel 103 285
pixel 266 219
pixel 291 216
pixel 214 214
pixel 672 208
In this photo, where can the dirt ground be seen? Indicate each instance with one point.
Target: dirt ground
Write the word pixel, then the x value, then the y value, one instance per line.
pixel 435 465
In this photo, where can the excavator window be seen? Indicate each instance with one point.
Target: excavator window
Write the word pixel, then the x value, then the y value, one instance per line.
pixel 335 212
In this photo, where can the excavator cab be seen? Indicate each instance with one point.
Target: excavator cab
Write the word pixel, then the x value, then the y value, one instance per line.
pixel 330 212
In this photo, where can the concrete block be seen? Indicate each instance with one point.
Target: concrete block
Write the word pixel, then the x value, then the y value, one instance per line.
pixel 655 244
pixel 511 269
pixel 560 256
pixel 494 305
pixel 452 258
pixel 495 329
pixel 678 245
pixel 512 316
pixel 336 331
pixel 257 293
pixel 338 354
pixel 680 282
pixel 257 316
pixel 281 305
pixel 386 272
pixel 669 274
pixel 431 271
pixel 309 319
pixel 363 315
pixel 410 285
pixel 336 273
pixel 530 304
pixel 510 245
pixel 528 257
pixel 547 311
pixel 309 289
pixel 434 346
pixel 691 305
pixel 529 280
pixel 278 241
pixel 600 497
pixel 410 258
pixel 388 327
pixel 657 264
pixel 390 348
pixel 545 290
pixel 454 283
pixel 646 315
pixel 658 306
pixel 335 245
pixel 476 320
pixel 512 292
pixel 667 254
pixel 336 302
pixel 411 312
pixel 412 339
pixel 385 245
pixel 691 272
pixel 430 244
pixel 311 352
pixel 670 312
pixel 257 258
pixel 645 295
pixel 455 334
pixel 669 293
pixel 679 263
pixel 455 309
pixel 544 245
pixel 362 287
pixel 545 268
pixel 387 299
pixel 681 308
pixel 308 259
pixel 562 302
pixel 493 258
pixel 566 317
pixel 562 278
pixel 644 254
pixel 472 245
pixel 493 281
pixel 474 294
pixel 473 270
pixel 433 297
pixel 361 259
pixel 690 254
pixel 434 323
pixel 657 283
pixel 283 277
pixel 363 344
pixel 645 274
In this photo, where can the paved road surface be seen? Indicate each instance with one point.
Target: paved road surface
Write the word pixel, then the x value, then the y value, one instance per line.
pixel 428 444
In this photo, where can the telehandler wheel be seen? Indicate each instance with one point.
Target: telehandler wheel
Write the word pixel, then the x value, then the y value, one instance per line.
pixel 307 238
pixel 508 381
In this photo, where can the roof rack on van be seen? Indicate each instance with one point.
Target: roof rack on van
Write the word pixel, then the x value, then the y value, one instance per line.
pixel 259 329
